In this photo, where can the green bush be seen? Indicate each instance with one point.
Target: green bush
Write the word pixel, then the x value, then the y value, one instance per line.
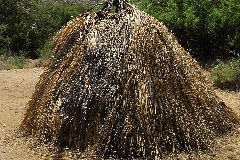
pixel 226 75
pixel 5 41
pixel 15 21
pixel 26 26
pixel 208 28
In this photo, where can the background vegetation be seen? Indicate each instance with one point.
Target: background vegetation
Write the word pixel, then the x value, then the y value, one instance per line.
pixel 27 27
pixel 208 29
pixel 226 75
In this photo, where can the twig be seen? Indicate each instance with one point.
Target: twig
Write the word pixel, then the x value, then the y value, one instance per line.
pixel 18 140
pixel 5 132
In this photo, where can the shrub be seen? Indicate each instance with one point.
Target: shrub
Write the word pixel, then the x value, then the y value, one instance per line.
pixel 208 28
pixel 53 17
pixel 4 40
pixel 226 75
pixel 25 26
pixel 16 25
pixel 10 62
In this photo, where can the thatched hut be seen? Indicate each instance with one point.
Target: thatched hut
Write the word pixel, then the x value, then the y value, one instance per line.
pixel 120 83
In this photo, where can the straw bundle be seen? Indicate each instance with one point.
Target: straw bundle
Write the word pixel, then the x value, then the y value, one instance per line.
pixel 121 84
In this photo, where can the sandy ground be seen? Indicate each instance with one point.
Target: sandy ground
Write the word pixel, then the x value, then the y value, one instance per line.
pixel 16 87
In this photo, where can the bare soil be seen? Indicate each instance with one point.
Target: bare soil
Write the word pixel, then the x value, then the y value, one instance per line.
pixel 16 87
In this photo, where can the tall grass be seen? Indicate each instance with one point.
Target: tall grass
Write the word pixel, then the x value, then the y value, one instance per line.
pixel 226 75
pixel 10 62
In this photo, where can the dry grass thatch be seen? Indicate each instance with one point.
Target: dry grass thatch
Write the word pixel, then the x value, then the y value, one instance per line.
pixel 120 84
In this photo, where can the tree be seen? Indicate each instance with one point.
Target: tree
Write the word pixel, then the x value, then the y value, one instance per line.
pixel 207 28
pixel 31 25
pixel 18 16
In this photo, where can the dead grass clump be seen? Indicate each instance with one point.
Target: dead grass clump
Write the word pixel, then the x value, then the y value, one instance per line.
pixel 120 85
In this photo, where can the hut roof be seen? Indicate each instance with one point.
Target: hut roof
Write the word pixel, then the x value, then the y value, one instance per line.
pixel 121 84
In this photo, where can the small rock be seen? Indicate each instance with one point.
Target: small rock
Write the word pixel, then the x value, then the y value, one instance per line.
pixel 212 154
pixel 232 157
pixel 230 148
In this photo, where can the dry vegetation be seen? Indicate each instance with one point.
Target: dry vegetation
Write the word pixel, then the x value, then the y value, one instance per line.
pixel 16 89
pixel 119 85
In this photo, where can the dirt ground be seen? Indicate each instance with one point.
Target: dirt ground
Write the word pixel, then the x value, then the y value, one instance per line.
pixel 16 87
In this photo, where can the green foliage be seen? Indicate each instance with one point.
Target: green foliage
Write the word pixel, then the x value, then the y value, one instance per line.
pixel 15 21
pixel 49 19
pixel 209 28
pixel 26 27
pixel 5 41
pixel 9 62
pixel 18 62
pixel 44 51
pixel 226 75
